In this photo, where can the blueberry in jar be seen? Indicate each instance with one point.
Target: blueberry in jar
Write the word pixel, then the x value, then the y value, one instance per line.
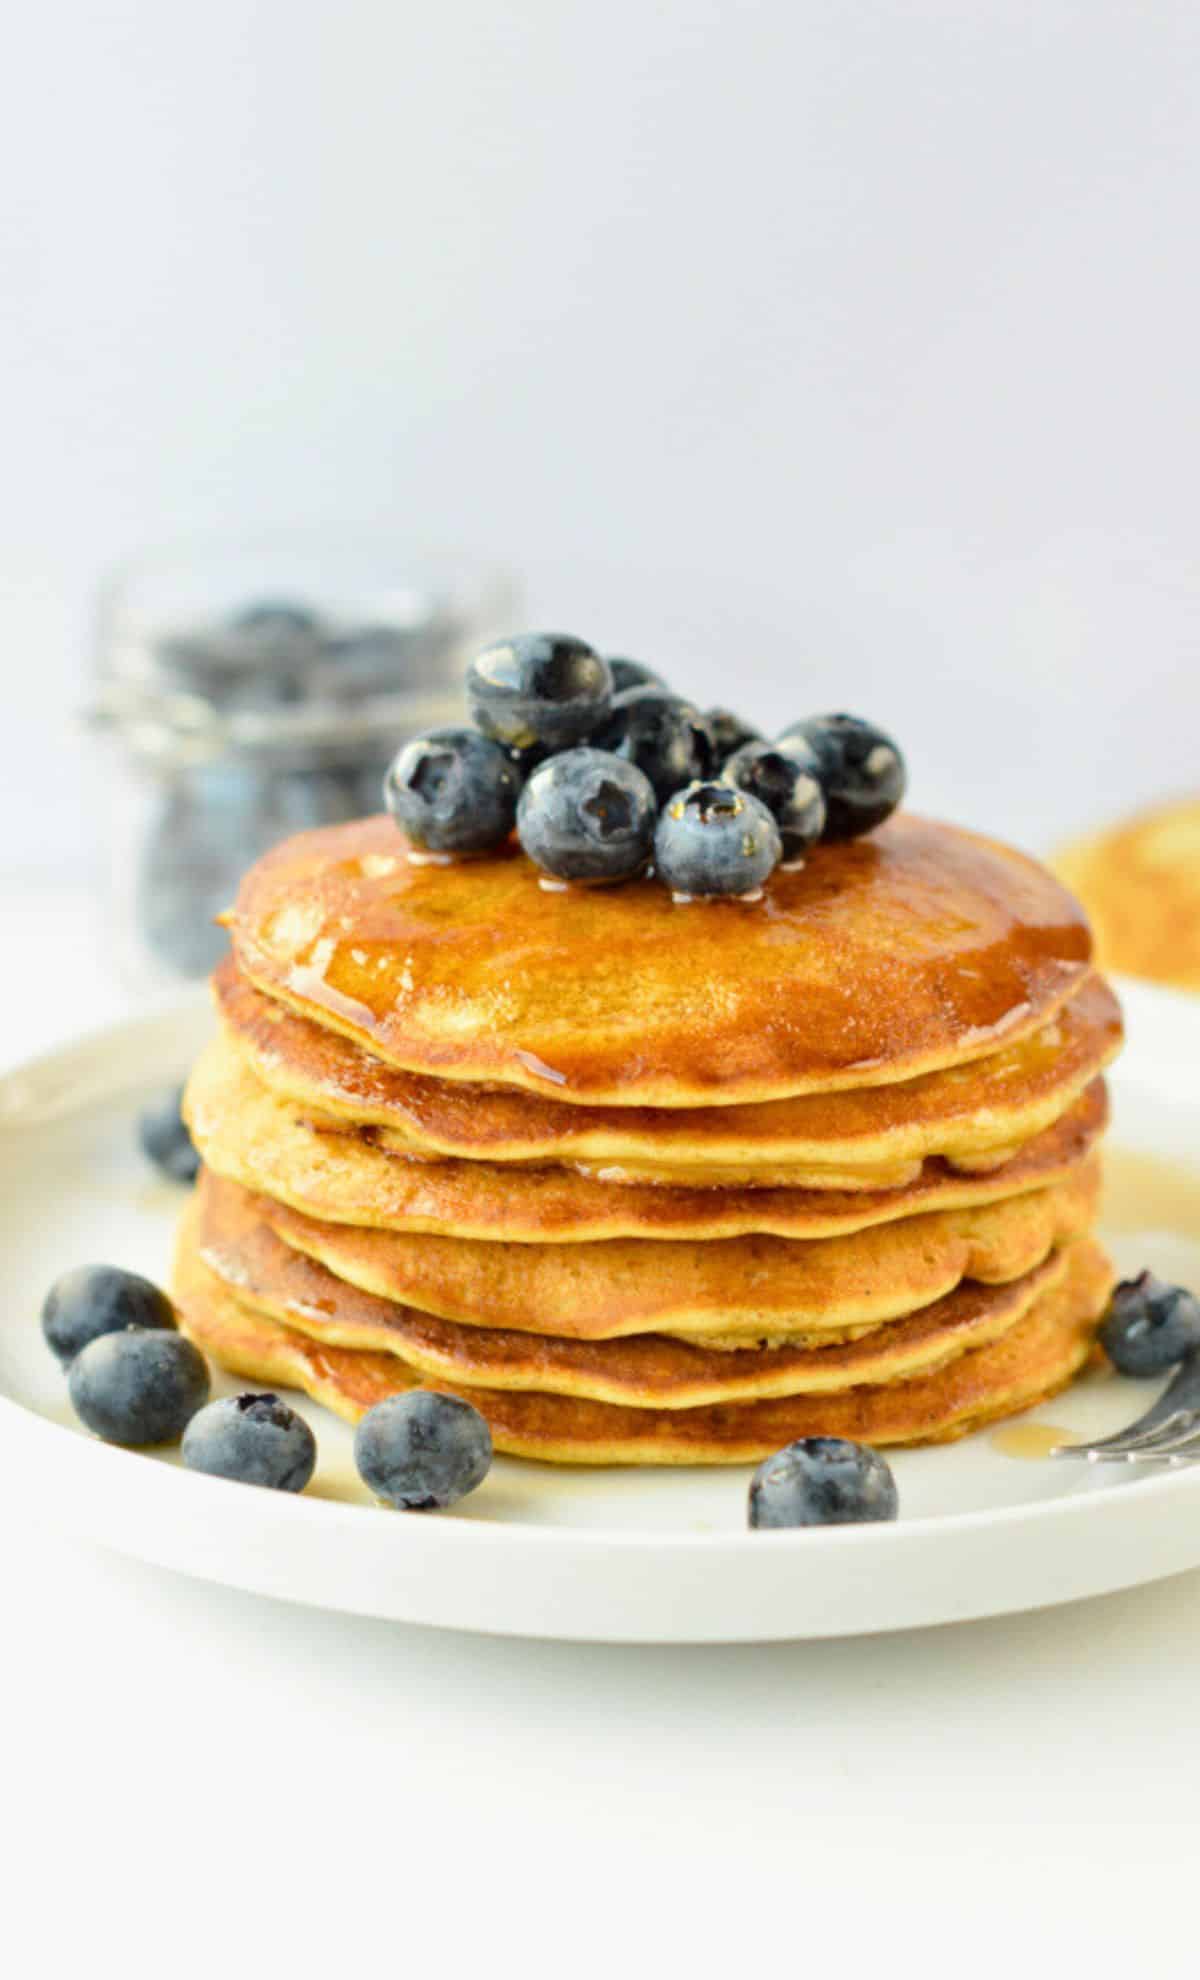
pixel 165 1139
pixel 138 1387
pixel 423 1451
pixel 727 733
pixel 631 674
pixel 661 734
pixel 823 1481
pixel 862 772
pixel 1150 1325
pixel 253 1440
pixel 539 690
pixel 715 840
pixel 453 791
pixel 100 1299
pixel 586 815
pixel 783 776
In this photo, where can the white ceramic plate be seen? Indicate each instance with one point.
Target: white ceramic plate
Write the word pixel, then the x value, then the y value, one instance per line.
pixel 620 1556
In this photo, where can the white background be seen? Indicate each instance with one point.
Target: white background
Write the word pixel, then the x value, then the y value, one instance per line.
pixel 824 354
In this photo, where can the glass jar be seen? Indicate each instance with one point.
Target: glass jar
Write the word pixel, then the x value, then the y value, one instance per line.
pixel 247 691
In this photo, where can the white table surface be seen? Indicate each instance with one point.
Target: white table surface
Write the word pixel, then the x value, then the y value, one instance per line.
pixel 188 1774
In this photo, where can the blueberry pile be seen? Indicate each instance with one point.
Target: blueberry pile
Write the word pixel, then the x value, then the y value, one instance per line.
pixel 606 773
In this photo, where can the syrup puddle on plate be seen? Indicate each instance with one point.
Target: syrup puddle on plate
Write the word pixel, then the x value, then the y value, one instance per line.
pixel 1032 1440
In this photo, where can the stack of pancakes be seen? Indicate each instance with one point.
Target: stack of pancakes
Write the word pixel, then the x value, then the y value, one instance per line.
pixel 652 1182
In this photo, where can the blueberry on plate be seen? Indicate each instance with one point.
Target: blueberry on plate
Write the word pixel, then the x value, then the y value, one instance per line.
pixel 254 1440
pixel 453 791
pixel 138 1387
pixel 631 674
pixel 822 1481
pixel 712 839
pixel 862 772
pixel 1150 1325
pixel 783 776
pixel 662 734
pixel 165 1140
pixel 586 815
pixel 539 690
pixel 100 1299
pixel 423 1450
pixel 726 734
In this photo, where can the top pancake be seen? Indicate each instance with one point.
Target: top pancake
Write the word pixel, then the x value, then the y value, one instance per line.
pixel 1141 884
pixel 916 948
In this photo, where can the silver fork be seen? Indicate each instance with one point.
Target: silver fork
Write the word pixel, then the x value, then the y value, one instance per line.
pixel 1168 1432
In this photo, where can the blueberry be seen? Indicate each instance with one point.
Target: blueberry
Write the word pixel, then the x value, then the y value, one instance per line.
pixel 255 1440
pixel 100 1299
pixel 862 772
pixel 453 791
pixel 1150 1325
pixel 822 1481
pixel 165 1140
pixel 542 689
pixel 784 778
pixel 586 815
pixel 423 1450
pixel 276 622
pixel 726 733
pixel 712 839
pixel 138 1387
pixel 632 673
pixel 662 734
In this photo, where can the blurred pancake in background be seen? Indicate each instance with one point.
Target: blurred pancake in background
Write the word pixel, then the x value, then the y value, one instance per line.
pixel 1140 883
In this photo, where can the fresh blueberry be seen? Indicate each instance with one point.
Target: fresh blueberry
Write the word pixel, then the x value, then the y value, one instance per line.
pixel 1150 1325
pixel 423 1450
pixel 453 791
pixel 783 776
pixel 586 815
pixel 255 1440
pixel 100 1299
pixel 662 734
pixel 712 839
pixel 165 1140
pixel 862 772
pixel 726 732
pixel 631 674
pixel 542 689
pixel 138 1387
pixel 822 1481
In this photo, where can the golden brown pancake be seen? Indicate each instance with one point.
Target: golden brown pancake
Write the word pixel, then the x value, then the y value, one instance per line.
pixel 1140 882
pixel 913 949
pixel 964 1111
pixel 754 1287
pixel 249 1136
pixel 649 1370
pixel 1032 1360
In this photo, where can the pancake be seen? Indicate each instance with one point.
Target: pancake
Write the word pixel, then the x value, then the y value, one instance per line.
pixel 251 1137
pixel 648 1370
pixel 1140 882
pixel 754 1286
pixel 962 1112
pixel 913 949
pixel 1030 1361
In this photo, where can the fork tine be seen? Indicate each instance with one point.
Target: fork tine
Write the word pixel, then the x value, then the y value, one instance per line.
pixel 1180 1399
pixel 1179 1448
pixel 1170 1430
